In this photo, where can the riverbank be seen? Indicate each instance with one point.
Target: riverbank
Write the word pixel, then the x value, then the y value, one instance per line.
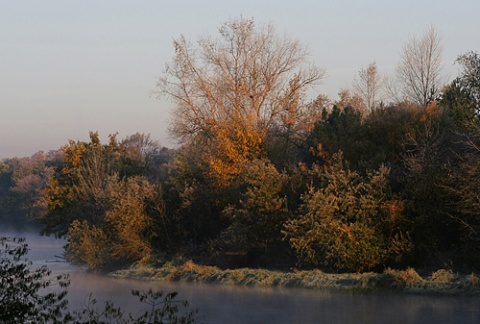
pixel 441 282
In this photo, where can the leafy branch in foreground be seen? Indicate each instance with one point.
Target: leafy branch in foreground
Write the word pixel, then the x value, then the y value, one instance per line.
pixel 162 308
pixel 22 301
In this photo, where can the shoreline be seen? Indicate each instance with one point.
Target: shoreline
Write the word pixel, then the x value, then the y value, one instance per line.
pixel 441 282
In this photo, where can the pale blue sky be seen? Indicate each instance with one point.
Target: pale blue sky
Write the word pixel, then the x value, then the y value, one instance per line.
pixel 70 67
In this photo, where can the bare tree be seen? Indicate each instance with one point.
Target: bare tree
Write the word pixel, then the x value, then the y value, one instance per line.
pixel 233 91
pixel 368 85
pixel 392 91
pixel 142 148
pixel 248 74
pixel 419 72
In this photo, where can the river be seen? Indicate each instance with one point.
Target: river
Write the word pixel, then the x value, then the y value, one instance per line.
pixel 232 304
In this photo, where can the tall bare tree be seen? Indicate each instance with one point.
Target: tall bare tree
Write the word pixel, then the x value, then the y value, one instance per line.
pixel 248 73
pixel 368 85
pixel 234 90
pixel 419 71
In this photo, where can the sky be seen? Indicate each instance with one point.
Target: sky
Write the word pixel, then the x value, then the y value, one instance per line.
pixel 71 67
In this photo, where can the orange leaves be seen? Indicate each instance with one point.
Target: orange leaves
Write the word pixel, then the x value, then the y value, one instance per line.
pixel 289 121
pixel 73 153
pixel 431 112
pixel 235 146
pixel 318 152
pixel 347 229
pixel 224 173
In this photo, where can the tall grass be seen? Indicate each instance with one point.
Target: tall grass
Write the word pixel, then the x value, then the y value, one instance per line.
pixel 408 280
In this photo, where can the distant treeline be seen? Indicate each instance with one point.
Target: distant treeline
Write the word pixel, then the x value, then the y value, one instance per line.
pixel 395 188
pixel 266 178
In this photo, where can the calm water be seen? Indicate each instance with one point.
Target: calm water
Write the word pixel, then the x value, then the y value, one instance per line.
pixel 227 304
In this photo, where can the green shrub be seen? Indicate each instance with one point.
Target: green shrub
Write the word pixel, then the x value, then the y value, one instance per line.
pixel 349 222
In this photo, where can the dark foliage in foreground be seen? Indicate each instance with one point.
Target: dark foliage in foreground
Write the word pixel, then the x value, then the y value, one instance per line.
pixel 25 296
pixel 21 300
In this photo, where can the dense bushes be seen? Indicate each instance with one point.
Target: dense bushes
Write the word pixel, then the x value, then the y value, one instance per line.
pixel 127 230
pixel 256 220
pixel 407 199
pixel 404 197
pixel 343 223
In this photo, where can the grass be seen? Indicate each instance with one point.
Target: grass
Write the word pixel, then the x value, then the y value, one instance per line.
pixel 442 281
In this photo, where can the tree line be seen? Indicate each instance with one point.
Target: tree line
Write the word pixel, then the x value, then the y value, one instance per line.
pixel 385 176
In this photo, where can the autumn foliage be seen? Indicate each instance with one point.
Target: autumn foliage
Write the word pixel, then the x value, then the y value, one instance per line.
pixel 265 176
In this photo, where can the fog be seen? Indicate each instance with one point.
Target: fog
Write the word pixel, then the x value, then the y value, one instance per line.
pixel 232 304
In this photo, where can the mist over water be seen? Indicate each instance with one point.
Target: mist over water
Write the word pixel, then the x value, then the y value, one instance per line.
pixel 232 304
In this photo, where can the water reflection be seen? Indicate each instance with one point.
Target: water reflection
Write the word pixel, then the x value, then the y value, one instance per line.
pixel 231 304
